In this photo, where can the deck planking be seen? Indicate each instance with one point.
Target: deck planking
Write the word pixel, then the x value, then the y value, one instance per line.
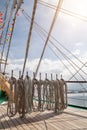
pixel 70 119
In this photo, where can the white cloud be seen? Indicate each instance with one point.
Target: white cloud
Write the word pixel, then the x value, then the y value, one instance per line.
pixel 47 66
pixel 76 52
pixel 79 44
pixel 72 38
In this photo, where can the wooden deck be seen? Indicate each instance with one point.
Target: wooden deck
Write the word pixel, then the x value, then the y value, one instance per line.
pixel 70 119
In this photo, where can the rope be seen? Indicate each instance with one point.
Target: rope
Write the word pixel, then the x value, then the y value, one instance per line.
pixel 51 95
pixel 57 95
pixel 69 60
pixel 11 11
pixel 29 35
pixel 6 10
pixel 28 95
pixel 49 33
pixel 12 105
pixel 66 56
pixel 69 51
pixel 67 12
pixel 63 94
pixel 14 20
pixel 21 97
pixel 39 89
pixel 44 31
pixel 9 44
pixel 63 63
pixel 78 71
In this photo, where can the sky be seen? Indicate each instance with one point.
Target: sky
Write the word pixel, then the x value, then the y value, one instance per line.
pixel 70 31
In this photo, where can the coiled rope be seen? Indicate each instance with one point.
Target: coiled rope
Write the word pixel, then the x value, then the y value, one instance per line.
pixel 27 95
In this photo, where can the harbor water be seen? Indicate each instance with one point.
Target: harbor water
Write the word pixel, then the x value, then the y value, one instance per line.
pixel 78 99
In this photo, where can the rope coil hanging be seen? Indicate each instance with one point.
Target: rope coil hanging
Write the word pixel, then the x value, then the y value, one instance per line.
pixel 12 99
pixel 36 95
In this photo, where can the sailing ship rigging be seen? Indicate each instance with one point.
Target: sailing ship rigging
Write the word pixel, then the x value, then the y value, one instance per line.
pixel 47 37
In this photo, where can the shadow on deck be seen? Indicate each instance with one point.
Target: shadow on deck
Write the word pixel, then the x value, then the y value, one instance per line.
pixel 70 119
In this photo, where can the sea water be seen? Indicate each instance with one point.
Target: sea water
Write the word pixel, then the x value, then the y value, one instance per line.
pixel 78 99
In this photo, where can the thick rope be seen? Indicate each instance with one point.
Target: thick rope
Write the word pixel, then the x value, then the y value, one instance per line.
pixel 21 97
pixel 28 93
pixel 36 95
pixel 12 102
pixel 50 95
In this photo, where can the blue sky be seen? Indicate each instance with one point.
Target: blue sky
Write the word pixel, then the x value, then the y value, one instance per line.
pixel 70 31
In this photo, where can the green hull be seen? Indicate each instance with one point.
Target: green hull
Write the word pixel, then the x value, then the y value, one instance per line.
pixel 3 97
